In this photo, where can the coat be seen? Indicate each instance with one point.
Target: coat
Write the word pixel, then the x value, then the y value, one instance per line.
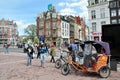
pixel 52 52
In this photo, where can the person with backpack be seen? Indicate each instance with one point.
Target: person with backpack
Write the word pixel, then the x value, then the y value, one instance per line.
pixel 73 49
pixel 43 50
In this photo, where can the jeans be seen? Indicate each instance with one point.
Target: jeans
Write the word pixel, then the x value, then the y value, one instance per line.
pixel 52 59
pixel 29 59
pixel 6 50
pixel 42 57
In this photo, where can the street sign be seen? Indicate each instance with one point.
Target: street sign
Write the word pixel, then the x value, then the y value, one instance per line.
pixel 41 37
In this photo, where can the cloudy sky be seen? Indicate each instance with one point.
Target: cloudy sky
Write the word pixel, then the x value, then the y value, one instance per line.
pixel 24 12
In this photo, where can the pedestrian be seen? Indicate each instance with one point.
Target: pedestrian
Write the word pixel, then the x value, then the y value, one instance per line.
pixel 42 55
pixel 29 54
pixel 6 46
pixel 52 53
pixel 74 49
pixel 38 50
pixel 25 47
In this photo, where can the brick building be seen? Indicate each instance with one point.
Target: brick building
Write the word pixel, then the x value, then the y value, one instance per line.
pixel 52 27
pixel 48 25
pixel 8 31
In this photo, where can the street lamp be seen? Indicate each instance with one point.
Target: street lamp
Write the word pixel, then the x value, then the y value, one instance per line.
pixel 79 33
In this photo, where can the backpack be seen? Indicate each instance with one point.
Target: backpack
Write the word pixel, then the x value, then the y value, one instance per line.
pixel 70 48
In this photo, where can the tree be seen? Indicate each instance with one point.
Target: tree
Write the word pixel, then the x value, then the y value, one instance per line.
pixel 31 31
pixel 25 40
pixel 36 40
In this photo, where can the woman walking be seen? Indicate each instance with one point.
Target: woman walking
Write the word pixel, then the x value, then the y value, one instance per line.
pixel 43 52
pixel 52 53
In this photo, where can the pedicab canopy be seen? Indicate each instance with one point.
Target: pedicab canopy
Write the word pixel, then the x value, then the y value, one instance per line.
pixel 100 44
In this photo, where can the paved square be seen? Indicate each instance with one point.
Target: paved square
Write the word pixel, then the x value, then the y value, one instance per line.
pixel 13 67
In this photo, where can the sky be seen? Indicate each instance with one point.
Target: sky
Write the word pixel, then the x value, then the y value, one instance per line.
pixel 24 12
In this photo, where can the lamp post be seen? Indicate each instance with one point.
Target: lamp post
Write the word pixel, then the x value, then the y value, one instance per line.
pixel 79 33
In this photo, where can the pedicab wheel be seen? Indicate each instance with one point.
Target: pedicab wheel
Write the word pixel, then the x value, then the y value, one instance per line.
pixel 104 72
pixel 58 63
pixel 65 69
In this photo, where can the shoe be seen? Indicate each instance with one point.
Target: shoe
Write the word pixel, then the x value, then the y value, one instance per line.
pixel 41 66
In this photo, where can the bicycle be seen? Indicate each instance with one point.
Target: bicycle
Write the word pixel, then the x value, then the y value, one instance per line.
pixel 59 61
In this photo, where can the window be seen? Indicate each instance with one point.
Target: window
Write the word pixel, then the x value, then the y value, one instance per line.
pixel 48 33
pixel 93 14
pixel 0 30
pixel 102 12
pixel 118 12
pixel 54 15
pixel 103 22
pixel 112 4
pixel 119 21
pixel 62 33
pixel 62 25
pixel 113 13
pixel 118 3
pixel 54 25
pixel 41 24
pixel 96 1
pixel 48 25
pixel 42 32
pixel 101 1
pixel 114 21
pixel 5 30
pixel 92 2
pixel 65 25
pixel 94 27
pixel 88 3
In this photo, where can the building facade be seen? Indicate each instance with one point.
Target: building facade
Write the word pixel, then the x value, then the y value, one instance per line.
pixel 79 29
pixel 114 7
pixel 8 31
pixel 58 28
pixel 65 30
pixel 98 15
pixel 48 25
pixel 71 20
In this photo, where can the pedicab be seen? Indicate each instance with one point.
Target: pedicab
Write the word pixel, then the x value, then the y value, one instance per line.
pixel 93 60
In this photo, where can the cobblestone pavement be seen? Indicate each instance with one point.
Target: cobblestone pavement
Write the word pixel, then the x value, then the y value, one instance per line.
pixel 13 67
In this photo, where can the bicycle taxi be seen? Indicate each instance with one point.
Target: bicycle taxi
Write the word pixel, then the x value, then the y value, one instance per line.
pixel 96 58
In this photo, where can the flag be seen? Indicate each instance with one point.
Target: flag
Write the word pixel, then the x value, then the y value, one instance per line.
pixel 50 7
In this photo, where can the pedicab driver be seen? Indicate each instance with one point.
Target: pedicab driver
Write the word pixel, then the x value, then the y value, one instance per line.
pixel 74 49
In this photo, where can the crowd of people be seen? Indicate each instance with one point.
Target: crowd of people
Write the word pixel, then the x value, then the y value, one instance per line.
pixel 41 49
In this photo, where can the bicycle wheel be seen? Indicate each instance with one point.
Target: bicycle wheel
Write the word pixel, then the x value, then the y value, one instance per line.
pixel 104 72
pixel 65 69
pixel 58 63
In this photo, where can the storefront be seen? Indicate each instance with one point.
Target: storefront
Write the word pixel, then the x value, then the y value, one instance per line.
pixel 96 36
